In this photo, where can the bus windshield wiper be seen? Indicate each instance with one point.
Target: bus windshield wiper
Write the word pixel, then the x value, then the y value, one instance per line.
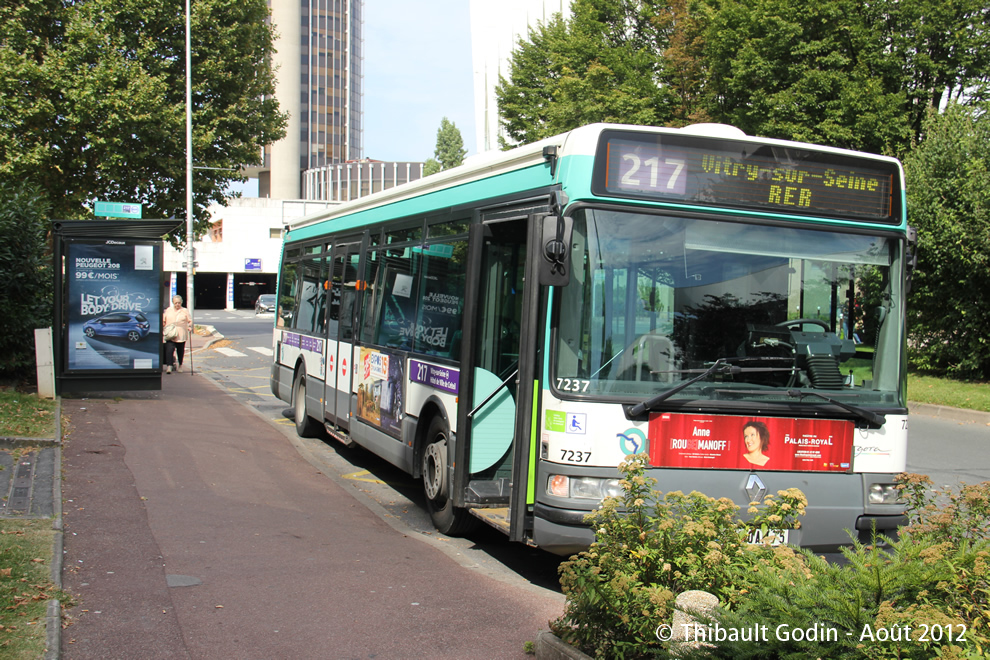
pixel 721 364
pixel 869 416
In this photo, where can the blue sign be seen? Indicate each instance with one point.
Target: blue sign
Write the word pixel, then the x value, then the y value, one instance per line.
pixel 252 264
pixel 114 210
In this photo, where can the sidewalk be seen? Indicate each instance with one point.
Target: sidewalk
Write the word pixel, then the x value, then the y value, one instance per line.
pixel 195 529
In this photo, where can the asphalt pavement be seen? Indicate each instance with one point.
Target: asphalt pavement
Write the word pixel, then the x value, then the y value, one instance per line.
pixel 195 528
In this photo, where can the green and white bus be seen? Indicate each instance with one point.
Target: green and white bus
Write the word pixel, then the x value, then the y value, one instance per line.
pixel 510 330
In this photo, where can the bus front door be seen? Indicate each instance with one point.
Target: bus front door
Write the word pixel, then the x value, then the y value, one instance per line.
pixel 500 354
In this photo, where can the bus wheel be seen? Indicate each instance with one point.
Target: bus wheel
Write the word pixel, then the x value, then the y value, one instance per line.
pixel 447 518
pixel 305 425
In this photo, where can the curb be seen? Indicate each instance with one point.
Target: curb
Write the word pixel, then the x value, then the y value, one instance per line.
pixel 53 618
pixel 550 647
pixel 945 412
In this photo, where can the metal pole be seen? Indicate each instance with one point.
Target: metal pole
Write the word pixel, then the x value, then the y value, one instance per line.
pixel 190 266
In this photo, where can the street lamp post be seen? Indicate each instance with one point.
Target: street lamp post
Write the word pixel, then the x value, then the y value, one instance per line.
pixel 190 265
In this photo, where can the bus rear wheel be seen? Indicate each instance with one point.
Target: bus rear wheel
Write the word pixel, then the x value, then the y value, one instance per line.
pixel 448 519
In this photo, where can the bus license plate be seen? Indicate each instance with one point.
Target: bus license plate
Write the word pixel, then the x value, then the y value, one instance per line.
pixel 772 536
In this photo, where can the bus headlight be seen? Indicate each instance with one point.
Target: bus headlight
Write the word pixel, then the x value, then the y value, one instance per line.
pixel 885 494
pixel 583 488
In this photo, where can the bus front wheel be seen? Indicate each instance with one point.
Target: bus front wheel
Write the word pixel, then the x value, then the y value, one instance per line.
pixel 305 425
pixel 448 519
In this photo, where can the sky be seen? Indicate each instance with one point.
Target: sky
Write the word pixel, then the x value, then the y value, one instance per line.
pixel 417 70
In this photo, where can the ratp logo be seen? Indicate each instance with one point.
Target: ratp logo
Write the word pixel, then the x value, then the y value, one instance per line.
pixel 632 441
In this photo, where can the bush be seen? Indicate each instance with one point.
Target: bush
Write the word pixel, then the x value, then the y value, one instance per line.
pixel 897 599
pixel 649 548
pixel 902 600
pixel 26 273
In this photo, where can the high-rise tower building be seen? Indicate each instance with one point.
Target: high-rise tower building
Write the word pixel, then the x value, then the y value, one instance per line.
pixel 318 60
pixel 496 27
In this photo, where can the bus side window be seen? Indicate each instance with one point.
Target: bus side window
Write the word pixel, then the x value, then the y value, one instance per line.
pixel 397 316
pixel 372 297
pixel 309 309
pixel 348 295
pixel 287 296
pixel 441 301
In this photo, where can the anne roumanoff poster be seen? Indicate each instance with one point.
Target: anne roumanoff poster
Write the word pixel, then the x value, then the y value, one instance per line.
pixel 750 443
pixel 113 314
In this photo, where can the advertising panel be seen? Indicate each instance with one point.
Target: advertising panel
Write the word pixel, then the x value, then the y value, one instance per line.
pixel 750 443
pixel 113 310
pixel 379 383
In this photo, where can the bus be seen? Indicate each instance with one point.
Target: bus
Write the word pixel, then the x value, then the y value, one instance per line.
pixel 510 330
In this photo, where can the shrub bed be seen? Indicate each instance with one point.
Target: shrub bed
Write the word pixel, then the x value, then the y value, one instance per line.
pixel 923 595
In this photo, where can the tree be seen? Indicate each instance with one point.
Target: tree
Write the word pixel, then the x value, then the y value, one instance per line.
pixel 948 184
pixel 604 64
pixel 92 100
pixel 450 149
pixel 25 270
pixel 843 73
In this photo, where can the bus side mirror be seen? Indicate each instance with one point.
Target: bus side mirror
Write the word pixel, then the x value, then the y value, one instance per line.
pixel 555 250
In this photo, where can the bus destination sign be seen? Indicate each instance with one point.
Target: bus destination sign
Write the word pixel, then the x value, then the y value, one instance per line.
pixel 762 177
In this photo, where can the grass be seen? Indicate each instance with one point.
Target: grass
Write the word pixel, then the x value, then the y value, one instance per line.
pixel 945 392
pixel 26 415
pixel 25 587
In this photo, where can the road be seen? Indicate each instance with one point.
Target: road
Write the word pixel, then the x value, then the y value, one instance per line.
pixel 950 452
pixel 241 363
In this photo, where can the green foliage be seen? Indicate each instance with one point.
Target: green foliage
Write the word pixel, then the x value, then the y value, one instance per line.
pixel 602 65
pixel 948 183
pixel 842 73
pixel 450 149
pixel 26 273
pixel 890 599
pixel 887 597
pixel 812 73
pixel 431 166
pixel 92 100
pixel 647 549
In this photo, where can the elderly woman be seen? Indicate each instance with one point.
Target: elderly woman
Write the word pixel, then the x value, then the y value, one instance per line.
pixel 178 316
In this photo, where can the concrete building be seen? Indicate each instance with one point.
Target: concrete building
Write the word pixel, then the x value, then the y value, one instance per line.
pixel 318 60
pixel 239 259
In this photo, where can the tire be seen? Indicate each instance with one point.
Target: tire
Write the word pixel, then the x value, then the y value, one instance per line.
pixel 134 335
pixel 89 332
pixel 306 426
pixel 448 519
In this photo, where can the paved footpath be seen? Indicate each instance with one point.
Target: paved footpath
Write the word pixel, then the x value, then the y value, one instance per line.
pixel 195 529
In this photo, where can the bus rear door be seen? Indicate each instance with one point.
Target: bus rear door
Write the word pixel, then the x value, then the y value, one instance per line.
pixel 340 333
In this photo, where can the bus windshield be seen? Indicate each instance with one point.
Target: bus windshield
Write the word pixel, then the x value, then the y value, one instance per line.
pixel 656 300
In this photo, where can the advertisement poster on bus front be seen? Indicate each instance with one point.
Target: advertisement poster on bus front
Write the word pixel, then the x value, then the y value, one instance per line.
pixel 379 383
pixel 112 305
pixel 750 443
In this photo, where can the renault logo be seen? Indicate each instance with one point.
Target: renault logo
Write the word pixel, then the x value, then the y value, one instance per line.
pixel 755 488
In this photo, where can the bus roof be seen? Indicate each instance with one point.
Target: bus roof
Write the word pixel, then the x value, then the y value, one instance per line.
pixel 582 141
